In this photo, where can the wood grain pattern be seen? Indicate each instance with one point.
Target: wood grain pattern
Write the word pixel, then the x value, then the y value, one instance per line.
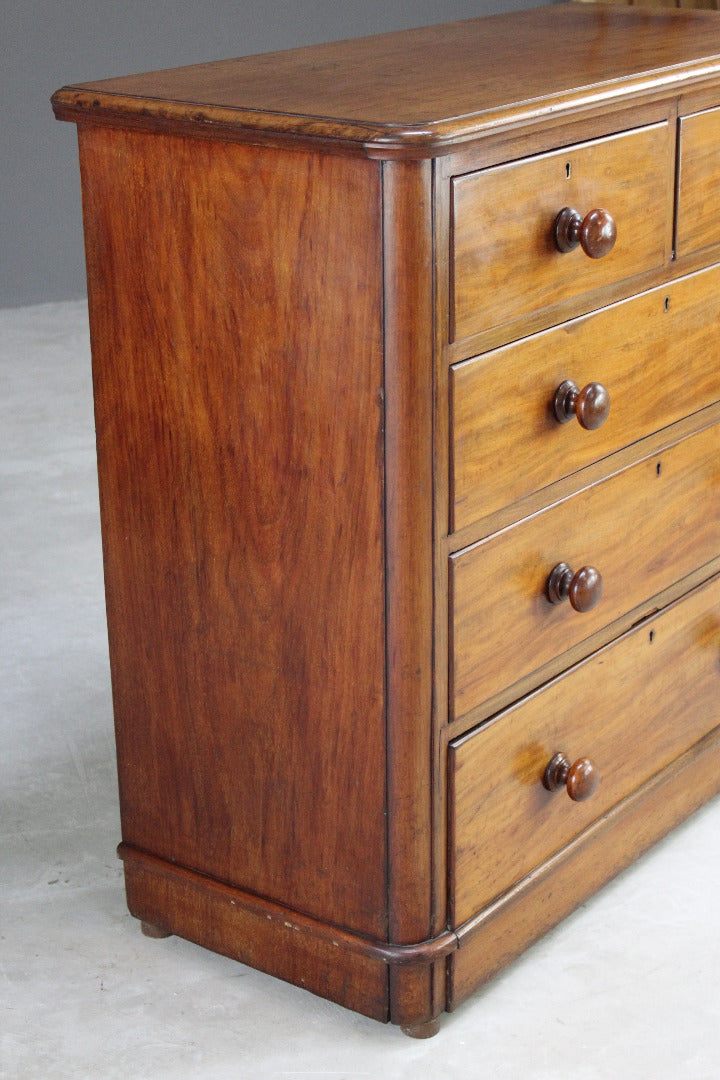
pixel 236 323
pixel 503 930
pixel 425 89
pixel 294 636
pixel 407 231
pixel 409 518
pixel 504 260
pixel 522 142
pixel 655 354
pixel 256 932
pixel 643 529
pixel 698 221
pixel 632 708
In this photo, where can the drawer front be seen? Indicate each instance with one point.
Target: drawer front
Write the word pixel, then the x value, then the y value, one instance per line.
pixel 698 224
pixel 643 528
pixel 631 708
pixel 655 354
pixel 504 260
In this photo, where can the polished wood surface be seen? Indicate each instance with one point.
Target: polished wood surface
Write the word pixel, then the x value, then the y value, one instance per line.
pixel 426 89
pixel 629 708
pixel 643 528
pixel 596 232
pixel 351 451
pixel 496 935
pixel 698 221
pixel 505 262
pixel 582 588
pixel 589 406
pixel 408 270
pixel 655 355
pixel 242 510
pixel 579 778
pixel 257 932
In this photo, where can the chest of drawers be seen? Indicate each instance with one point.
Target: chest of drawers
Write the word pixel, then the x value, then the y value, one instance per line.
pixel 408 427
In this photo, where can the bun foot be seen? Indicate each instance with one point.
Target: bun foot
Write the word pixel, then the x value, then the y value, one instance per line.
pixel 422 1031
pixel 153 930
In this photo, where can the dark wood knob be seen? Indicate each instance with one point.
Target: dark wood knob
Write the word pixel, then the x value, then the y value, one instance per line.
pixel 596 233
pixel 583 589
pixel 591 405
pixel 579 779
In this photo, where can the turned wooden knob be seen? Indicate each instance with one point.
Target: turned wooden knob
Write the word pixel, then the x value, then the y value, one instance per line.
pixel 590 406
pixel 579 779
pixel 583 589
pixel 595 233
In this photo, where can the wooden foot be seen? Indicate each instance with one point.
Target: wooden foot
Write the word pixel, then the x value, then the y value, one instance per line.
pixel 422 1031
pixel 152 930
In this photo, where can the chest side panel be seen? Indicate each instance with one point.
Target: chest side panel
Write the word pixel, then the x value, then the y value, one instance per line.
pixel 236 319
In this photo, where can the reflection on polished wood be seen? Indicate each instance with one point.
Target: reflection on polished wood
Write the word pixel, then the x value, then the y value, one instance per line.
pixel 335 353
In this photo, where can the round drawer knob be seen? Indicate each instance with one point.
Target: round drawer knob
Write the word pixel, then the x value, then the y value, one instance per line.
pixel 580 778
pixel 595 233
pixel 590 406
pixel 583 589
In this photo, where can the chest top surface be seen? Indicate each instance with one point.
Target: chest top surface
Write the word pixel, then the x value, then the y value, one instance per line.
pixel 424 91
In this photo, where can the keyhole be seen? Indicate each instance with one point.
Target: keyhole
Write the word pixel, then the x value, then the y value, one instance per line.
pixel 667 303
pixel 658 467
pixel 568 170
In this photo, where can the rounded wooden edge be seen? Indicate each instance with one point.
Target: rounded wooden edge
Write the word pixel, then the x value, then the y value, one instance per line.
pixel 83 104
pixel 420 953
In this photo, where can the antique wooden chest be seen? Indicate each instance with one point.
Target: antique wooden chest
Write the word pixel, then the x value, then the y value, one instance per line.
pixel 407 406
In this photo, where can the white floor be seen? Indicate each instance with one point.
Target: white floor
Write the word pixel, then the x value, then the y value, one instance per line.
pixel 628 988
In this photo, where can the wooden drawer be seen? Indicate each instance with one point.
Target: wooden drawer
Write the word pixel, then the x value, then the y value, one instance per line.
pixel 632 708
pixel 698 221
pixel 643 528
pixel 655 354
pixel 504 262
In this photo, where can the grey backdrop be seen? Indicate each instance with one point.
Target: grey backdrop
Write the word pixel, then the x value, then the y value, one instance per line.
pixel 47 43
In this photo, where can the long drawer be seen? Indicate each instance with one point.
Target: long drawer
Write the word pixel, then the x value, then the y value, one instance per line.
pixel 656 356
pixel 504 261
pixel 642 529
pixel 631 708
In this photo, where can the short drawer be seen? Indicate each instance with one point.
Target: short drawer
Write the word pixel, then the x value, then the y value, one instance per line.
pixel 504 261
pixel 643 529
pixel 698 221
pixel 631 709
pixel 655 356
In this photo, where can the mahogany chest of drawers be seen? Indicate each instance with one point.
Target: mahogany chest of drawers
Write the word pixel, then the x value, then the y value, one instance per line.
pixel 405 357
